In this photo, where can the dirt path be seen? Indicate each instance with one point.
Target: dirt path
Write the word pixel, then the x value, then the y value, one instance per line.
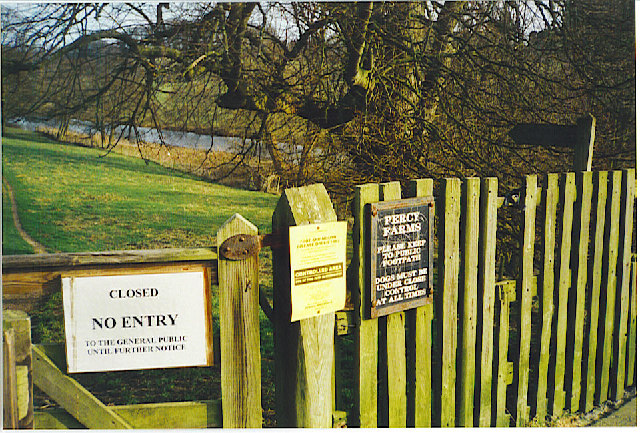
pixel 37 247
pixel 625 416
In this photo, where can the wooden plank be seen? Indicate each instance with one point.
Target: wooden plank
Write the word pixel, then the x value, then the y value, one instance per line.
pixel 579 256
pixel 197 414
pixel 304 349
pixel 468 295
pixel 507 293
pixel 545 297
pixel 394 340
pixel 544 134
pixel 526 288
pixel 488 227
pixel 564 284
pixel 607 299
pixel 447 302
pixel 118 257
pixel 74 398
pixel 366 333
pixel 24 288
pixel 55 419
pixel 596 282
pixel 624 275
pixel 419 340
pixel 9 381
pixel 239 332
pixel 633 325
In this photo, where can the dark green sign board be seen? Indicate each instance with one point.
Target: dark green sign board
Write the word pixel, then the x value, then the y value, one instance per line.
pixel 401 250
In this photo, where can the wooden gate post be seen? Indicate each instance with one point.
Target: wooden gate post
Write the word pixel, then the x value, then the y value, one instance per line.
pixel 239 332
pixel 18 323
pixel 304 350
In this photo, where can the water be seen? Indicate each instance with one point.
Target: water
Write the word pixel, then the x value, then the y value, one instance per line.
pixel 150 135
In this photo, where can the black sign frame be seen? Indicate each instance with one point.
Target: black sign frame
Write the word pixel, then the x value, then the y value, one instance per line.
pixel 400 244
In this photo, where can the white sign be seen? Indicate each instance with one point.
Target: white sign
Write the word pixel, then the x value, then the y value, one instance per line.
pixel 318 269
pixel 136 321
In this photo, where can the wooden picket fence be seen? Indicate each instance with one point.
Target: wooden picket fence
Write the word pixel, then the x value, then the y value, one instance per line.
pixel 559 338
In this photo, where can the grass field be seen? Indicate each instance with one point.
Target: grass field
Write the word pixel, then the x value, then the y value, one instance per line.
pixel 71 199
pixel 12 242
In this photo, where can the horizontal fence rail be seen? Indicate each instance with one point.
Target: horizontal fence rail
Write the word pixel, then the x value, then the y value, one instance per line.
pixel 27 279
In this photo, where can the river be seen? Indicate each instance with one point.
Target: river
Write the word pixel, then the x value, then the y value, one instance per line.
pixel 150 135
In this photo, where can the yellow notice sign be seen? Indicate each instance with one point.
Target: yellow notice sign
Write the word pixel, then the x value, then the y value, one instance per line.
pixel 318 268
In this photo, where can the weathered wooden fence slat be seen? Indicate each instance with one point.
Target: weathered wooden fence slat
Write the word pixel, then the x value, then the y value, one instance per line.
pixel 487 278
pixel 580 244
pixel 419 341
pixel 563 287
pixel 607 297
pixel 633 325
pixel 366 334
pixel 507 294
pixel 239 332
pixel 624 274
pixel 545 293
pixel 9 381
pixel 447 296
pixel 393 406
pixel 597 248
pixel 526 289
pixel 469 301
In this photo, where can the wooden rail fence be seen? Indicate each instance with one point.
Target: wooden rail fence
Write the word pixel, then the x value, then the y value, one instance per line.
pixel 561 337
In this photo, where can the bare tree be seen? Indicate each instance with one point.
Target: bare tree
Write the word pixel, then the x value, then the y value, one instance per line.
pixel 339 92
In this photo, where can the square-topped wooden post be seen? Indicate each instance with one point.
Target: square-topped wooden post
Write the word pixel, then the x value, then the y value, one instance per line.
pixel 304 350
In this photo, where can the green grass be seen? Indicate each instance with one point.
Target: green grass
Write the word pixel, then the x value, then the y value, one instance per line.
pixel 72 199
pixel 12 242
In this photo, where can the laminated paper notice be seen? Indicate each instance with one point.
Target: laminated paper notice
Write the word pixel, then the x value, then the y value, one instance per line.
pixel 318 269
pixel 136 321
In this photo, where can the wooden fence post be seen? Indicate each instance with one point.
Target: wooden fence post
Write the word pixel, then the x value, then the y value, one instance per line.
pixel 585 136
pixel 239 332
pixel 304 350
pixel 20 325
